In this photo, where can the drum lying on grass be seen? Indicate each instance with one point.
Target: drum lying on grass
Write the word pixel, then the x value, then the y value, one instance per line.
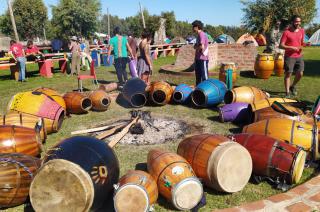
pixel 182 94
pixel 77 103
pixel 160 93
pixel 237 112
pixel 134 91
pixel 57 97
pixel 244 94
pixel 100 100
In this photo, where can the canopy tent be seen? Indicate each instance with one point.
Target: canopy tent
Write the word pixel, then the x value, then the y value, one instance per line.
pixel 210 39
pixel 247 39
pixel 100 35
pixel 191 39
pixel 315 38
pixel 306 38
pixel 224 38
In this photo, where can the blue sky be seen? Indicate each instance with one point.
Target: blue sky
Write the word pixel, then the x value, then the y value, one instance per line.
pixel 214 12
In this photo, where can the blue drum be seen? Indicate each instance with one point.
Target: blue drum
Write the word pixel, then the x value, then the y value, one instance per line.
pixel 182 94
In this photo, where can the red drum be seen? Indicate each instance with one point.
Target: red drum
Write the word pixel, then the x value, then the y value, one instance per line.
pixel 273 158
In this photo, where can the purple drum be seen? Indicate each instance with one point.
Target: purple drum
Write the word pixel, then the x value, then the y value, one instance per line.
pixel 133 68
pixel 237 112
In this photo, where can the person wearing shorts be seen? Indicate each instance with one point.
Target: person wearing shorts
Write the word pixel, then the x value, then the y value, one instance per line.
pixel 292 43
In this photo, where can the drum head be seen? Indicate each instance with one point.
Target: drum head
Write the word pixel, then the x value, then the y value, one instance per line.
pixel 187 193
pixel 298 166
pixel 61 185
pixel 131 198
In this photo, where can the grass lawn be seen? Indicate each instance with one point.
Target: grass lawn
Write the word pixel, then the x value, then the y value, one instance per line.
pixel 130 156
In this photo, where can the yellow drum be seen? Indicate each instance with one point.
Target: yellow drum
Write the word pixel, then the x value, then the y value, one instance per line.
pixel 279 65
pixel 264 66
pixel 260 104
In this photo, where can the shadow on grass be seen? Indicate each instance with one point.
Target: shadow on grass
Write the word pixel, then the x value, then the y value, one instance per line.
pixel 312 68
pixel 247 74
pixel 122 102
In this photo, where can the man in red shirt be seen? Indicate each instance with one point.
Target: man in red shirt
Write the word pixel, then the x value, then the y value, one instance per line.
pixel 292 42
pixel 17 52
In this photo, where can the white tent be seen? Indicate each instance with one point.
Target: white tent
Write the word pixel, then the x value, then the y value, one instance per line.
pixel 100 35
pixel 315 38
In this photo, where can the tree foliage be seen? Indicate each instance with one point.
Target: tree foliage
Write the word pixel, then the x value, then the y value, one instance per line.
pixel 30 17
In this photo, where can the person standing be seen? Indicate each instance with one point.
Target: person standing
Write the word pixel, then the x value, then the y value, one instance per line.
pixel 202 52
pixel 120 46
pixel 273 38
pixel 134 47
pixel 75 55
pixel 144 66
pixel 17 52
pixel 292 43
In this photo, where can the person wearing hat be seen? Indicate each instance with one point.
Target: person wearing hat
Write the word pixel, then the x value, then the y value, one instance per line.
pixel 75 52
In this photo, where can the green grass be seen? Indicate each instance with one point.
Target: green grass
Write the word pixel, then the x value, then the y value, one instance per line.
pixel 130 156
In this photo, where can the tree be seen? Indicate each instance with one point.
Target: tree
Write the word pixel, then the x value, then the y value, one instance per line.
pixel 75 17
pixel 261 14
pixel 30 17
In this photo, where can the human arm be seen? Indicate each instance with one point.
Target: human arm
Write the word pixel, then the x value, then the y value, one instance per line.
pixel 129 49
pixel 147 54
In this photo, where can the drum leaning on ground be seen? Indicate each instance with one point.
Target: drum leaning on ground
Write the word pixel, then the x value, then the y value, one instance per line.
pixel 160 92
pixel 224 67
pixel 16 173
pixel 222 164
pixel 175 179
pixel 78 174
pixel 137 191
pixel 273 158
pixel 264 66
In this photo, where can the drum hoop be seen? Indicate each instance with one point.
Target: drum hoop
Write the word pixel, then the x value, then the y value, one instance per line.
pixel 295 161
pixel 175 98
pixel 145 193
pixel 174 189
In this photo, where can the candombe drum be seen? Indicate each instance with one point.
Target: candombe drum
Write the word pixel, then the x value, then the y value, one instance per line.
pixel 57 97
pixel 26 120
pixel 160 92
pixel 137 191
pixel 175 179
pixel 264 66
pixel 100 100
pixel 273 158
pixel 77 103
pixel 38 104
pixel 182 94
pixel 224 67
pixel 77 175
pixel 237 112
pixel 294 132
pixel 16 173
pixel 16 139
pixel 223 164
pixel 279 65
pixel 257 105
pixel 245 94
pixel 134 91
pixel 209 93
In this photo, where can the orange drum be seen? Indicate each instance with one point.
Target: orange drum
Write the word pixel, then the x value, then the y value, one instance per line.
pixel 264 66
pixel 16 174
pixel 136 191
pixel 224 67
pixel 100 100
pixel 77 103
pixel 222 164
pixel 245 94
pixel 160 92
pixel 175 179
pixel 279 65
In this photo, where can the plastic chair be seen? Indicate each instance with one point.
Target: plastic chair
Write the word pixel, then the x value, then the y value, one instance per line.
pixel 91 76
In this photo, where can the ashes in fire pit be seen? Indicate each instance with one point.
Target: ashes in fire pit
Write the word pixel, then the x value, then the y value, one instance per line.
pixel 154 130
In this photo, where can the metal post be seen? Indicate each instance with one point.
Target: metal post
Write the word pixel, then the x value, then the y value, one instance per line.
pixel 108 15
pixel 44 34
pixel 13 21
pixel 143 22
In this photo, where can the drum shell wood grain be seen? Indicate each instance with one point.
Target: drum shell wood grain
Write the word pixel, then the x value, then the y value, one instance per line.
pixel 25 120
pixel 16 174
pixel 160 92
pixel 247 94
pixel 55 95
pixel 279 65
pixel 264 66
pixel 16 139
pixel 142 180
pixel 271 157
pixel 222 73
pixel 77 103
pixel 162 166
pixel 201 152
pixel 100 100
pixel 293 132
pixel 259 104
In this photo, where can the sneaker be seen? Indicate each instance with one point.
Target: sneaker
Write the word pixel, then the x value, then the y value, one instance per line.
pixel 293 90
pixel 287 96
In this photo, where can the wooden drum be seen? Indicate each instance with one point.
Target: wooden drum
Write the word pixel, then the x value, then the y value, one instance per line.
pixel 137 191
pixel 160 92
pixel 257 105
pixel 54 95
pixel 273 158
pixel 224 67
pixel 279 65
pixel 264 66
pixel 16 173
pixel 222 164
pixel 77 103
pixel 245 94
pixel 175 179
pixel 100 100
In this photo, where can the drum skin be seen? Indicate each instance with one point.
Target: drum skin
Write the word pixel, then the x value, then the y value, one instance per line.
pixel 279 65
pixel 273 158
pixel 100 100
pixel 87 163
pixel 173 173
pixel 16 139
pixel 257 105
pixel 264 66
pixel 222 73
pixel 16 173
pixel 77 103
pixel 246 94
pixel 133 187
pixel 293 132
pixel 56 96
pixel 160 92
pixel 211 155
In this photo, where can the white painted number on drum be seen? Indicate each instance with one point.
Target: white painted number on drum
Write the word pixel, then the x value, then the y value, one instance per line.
pixel 177 170
pixel 99 174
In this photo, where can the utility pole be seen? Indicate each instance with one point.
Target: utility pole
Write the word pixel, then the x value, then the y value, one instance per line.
pixel 108 15
pixel 143 22
pixel 13 21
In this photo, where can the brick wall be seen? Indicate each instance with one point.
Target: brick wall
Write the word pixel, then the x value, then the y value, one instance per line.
pixel 243 56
